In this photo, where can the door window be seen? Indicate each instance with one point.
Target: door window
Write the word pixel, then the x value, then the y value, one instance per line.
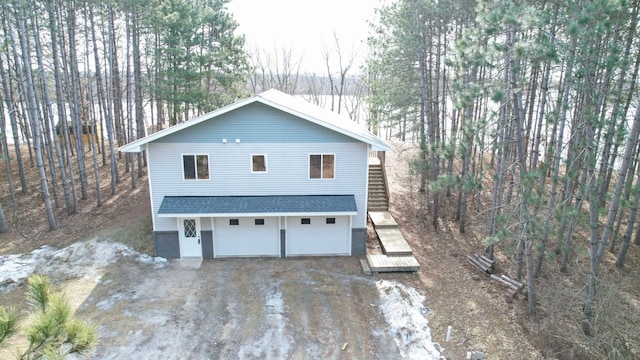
pixel 190 228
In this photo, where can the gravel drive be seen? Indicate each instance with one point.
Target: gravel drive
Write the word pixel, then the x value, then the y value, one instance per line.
pixel 240 309
pixel 252 308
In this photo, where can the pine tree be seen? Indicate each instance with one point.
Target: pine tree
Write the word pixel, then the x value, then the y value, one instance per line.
pixel 52 331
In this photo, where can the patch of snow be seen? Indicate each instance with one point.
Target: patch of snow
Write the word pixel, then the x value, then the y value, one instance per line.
pixel 86 259
pixel 403 308
pixel 110 301
pixel 274 343
pixel 157 261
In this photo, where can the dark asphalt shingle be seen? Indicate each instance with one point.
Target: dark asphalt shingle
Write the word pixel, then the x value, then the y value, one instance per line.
pixel 257 204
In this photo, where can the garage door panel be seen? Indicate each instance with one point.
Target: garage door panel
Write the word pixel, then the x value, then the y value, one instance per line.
pixel 318 237
pixel 246 238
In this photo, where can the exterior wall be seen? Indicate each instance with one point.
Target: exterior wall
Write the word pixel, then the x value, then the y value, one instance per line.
pixel 358 242
pixel 256 123
pixel 167 244
pixel 283 242
pixel 230 173
pixel 286 140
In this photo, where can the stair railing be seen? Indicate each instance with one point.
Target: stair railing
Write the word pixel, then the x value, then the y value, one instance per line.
pixel 381 156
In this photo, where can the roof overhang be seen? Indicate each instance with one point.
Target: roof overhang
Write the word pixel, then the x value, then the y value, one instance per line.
pixel 253 206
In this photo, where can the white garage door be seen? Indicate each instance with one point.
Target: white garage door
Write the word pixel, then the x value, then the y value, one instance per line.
pixel 246 237
pixel 318 235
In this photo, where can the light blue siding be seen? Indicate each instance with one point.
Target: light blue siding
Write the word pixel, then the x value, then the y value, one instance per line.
pixel 256 123
pixel 230 172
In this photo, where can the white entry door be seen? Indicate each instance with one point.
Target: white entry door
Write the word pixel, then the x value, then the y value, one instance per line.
pixel 190 242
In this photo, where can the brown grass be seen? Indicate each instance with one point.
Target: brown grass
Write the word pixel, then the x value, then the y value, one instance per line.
pixel 481 313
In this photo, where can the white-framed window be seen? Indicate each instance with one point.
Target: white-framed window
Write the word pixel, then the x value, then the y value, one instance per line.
pixel 258 163
pixel 195 167
pixel 322 166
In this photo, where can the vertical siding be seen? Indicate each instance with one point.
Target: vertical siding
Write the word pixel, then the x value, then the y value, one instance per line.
pixel 230 172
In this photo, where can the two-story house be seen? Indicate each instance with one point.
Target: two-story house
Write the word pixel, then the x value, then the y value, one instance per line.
pixel 270 175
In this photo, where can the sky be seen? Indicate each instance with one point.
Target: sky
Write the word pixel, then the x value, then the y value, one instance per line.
pixel 305 26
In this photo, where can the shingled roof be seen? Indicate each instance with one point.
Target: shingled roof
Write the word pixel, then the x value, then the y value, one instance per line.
pixel 185 206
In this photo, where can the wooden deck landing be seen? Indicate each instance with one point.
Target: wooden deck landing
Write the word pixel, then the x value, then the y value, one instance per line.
pixel 393 243
pixel 384 263
pixel 397 256
pixel 382 220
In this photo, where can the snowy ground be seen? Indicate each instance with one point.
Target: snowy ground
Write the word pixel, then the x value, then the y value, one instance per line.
pixel 404 309
pixel 233 308
pixel 86 260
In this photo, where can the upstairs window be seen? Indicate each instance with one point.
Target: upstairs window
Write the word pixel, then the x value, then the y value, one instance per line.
pixel 258 163
pixel 195 167
pixel 321 166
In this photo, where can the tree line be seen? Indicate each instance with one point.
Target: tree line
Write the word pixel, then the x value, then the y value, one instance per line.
pixel 80 78
pixel 539 96
pixel 73 71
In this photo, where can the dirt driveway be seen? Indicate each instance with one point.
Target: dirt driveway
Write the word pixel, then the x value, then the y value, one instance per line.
pixel 306 308
pixel 257 308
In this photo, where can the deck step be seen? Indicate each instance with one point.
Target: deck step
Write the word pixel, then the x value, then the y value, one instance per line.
pixel 393 243
pixel 384 263
pixel 365 267
pixel 377 207
pixel 382 220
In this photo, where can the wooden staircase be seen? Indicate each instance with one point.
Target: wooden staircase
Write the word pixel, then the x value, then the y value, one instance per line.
pixel 378 199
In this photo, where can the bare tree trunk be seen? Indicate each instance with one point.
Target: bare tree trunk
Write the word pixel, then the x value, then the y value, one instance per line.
pixel 6 87
pixel 626 239
pixel 629 178
pixel 598 247
pixel 570 227
pixel 130 95
pixel 559 135
pixel 467 138
pixel 8 94
pixel 50 117
pixel 92 112
pixel 137 76
pixel 35 124
pixel 553 193
pixel 105 107
pixel 3 224
pixel 420 54
pixel 76 101
pixel 115 78
pixel 514 65
pixel 62 129
pixel 5 152
pixel 113 84
pixel 504 134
